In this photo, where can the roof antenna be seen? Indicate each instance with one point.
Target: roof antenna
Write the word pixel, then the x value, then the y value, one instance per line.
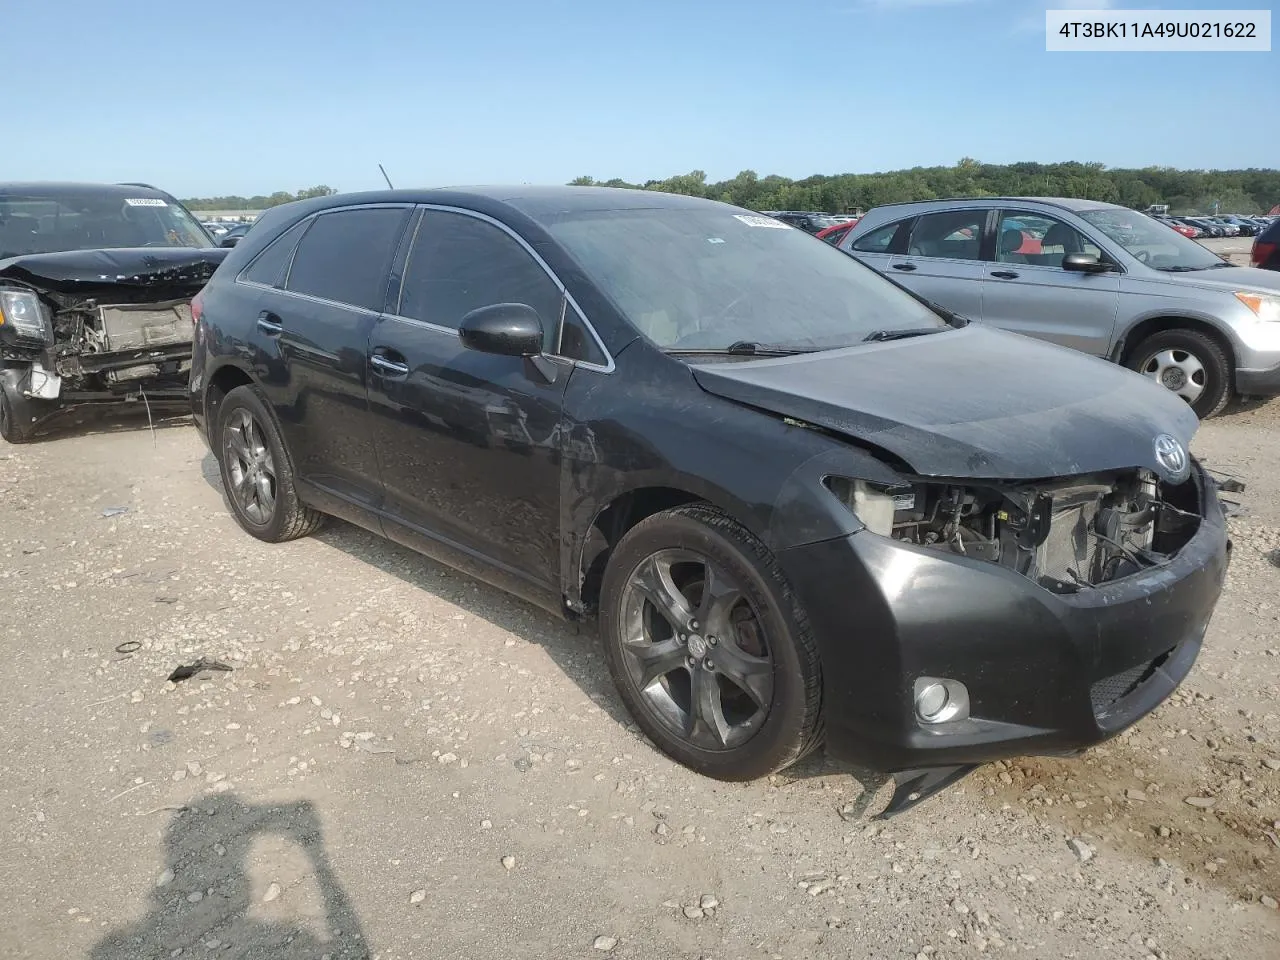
pixel 385 177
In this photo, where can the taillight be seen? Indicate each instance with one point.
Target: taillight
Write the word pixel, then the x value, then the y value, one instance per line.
pixel 197 307
pixel 1262 252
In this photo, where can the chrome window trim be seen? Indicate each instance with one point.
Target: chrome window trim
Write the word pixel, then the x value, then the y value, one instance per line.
pixel 567 297
pixel 308 220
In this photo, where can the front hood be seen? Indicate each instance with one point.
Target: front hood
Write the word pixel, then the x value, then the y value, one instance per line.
pixel 88 271
pixel 1229 279
pixel 973 403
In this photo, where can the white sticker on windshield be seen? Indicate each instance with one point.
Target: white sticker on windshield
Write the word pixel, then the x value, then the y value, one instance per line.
pixel 145 202
pixel 715 239
pixel 762 222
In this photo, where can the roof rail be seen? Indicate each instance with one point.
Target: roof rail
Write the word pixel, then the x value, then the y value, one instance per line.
pixel 131 183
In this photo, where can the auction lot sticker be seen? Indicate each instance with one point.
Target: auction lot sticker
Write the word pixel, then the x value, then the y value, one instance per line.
pixel 1158 31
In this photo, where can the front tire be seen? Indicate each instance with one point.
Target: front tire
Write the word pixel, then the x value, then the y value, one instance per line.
pixel 15 420
pixel 257 473
pixel 708 647
pixel 1191 364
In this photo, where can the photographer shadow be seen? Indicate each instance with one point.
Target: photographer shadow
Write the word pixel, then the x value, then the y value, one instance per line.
pixel 204 899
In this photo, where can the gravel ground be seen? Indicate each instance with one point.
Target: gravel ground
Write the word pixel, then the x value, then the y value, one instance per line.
pixel 406 762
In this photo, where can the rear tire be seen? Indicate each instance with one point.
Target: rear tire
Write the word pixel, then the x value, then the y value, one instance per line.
pixel 257 472
pixel 1190 363
pixel 736 695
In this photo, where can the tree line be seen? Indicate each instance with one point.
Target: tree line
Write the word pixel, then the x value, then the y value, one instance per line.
pixel 1254 190
pixel 259 202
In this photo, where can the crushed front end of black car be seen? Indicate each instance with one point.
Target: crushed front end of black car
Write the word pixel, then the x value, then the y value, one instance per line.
pixel 999 619
pixel 97 326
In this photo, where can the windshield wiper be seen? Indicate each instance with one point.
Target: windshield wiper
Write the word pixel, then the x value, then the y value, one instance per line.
pixel 742 348
pixel 879 336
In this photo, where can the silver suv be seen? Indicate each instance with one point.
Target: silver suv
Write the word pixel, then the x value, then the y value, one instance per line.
pixel 1093 276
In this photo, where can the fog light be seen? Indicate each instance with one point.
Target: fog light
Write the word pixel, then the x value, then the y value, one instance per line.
pixel 939 700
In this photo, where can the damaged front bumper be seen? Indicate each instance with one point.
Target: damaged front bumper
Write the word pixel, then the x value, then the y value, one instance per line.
pixel 1045 673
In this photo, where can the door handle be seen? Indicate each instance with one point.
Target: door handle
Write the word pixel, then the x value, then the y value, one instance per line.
pixel 904 266
pixel 389 368
pixel 1004 274
pixel 270 324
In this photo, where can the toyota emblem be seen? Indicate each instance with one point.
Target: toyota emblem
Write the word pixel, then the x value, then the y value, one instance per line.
pixel 1172 456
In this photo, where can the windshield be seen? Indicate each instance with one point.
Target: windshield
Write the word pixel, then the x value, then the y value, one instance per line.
pixel 708 278
pixel 93 222
pixel 1153 243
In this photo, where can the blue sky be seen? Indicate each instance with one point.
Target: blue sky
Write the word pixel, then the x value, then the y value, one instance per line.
pixel 540 91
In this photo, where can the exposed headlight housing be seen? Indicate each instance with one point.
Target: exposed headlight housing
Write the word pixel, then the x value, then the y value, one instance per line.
pixel 23 319
pixel 873 504
pixel 1264 307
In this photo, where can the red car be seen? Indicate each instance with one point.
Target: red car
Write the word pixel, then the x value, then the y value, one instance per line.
pixel 833 235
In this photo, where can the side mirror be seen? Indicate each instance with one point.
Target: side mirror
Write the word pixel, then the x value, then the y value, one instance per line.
pixel 229 242
pixel 506 329
pixel 1084 263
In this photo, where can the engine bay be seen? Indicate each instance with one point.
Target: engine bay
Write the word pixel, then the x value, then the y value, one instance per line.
pixel 1065 535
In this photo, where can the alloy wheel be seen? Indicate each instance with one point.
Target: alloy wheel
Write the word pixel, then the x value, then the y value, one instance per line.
pixel 1178 370
pixel 695 647
pixel 250 467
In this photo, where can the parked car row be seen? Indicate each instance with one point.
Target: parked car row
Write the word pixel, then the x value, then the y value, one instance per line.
pixel 808 220
pixel 803 501
pixel 1216 227
pixel 225 233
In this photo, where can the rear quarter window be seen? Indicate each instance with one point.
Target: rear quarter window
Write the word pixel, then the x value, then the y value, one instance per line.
pixel 269 266
pixel 879 240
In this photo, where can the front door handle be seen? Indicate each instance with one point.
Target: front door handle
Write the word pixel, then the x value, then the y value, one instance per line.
pixel 904 266
pixel 389 368
pixel 1004 274
pixel 270 324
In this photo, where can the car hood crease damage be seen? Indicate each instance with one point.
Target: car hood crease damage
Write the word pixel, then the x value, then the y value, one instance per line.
pixel 1066 415
pixel 87 271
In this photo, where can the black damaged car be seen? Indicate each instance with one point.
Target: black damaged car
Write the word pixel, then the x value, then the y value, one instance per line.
pixel 95 288
pixel 802 504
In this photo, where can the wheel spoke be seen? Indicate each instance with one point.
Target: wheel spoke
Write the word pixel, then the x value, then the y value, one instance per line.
pixel 719 596
pixel 244 492
pixel 264 494
pixel 251 435
pixel 653 579
pixel 1191 365
pixel 707 723
pixel 239 447
pixel 656 660
pixel 752 675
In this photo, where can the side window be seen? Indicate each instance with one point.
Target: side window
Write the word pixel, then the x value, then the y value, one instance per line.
pixel 346 256
pixel 269 266
pixel 954 235
pixel 1038 240
pixel 877 241
pixel 459 263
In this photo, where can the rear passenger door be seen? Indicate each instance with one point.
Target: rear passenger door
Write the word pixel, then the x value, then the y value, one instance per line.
pixel 943 262
pixel 314 327
pixel 1027 291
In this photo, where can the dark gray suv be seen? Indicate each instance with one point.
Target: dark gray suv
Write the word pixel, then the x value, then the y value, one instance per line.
pixel 1097 277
